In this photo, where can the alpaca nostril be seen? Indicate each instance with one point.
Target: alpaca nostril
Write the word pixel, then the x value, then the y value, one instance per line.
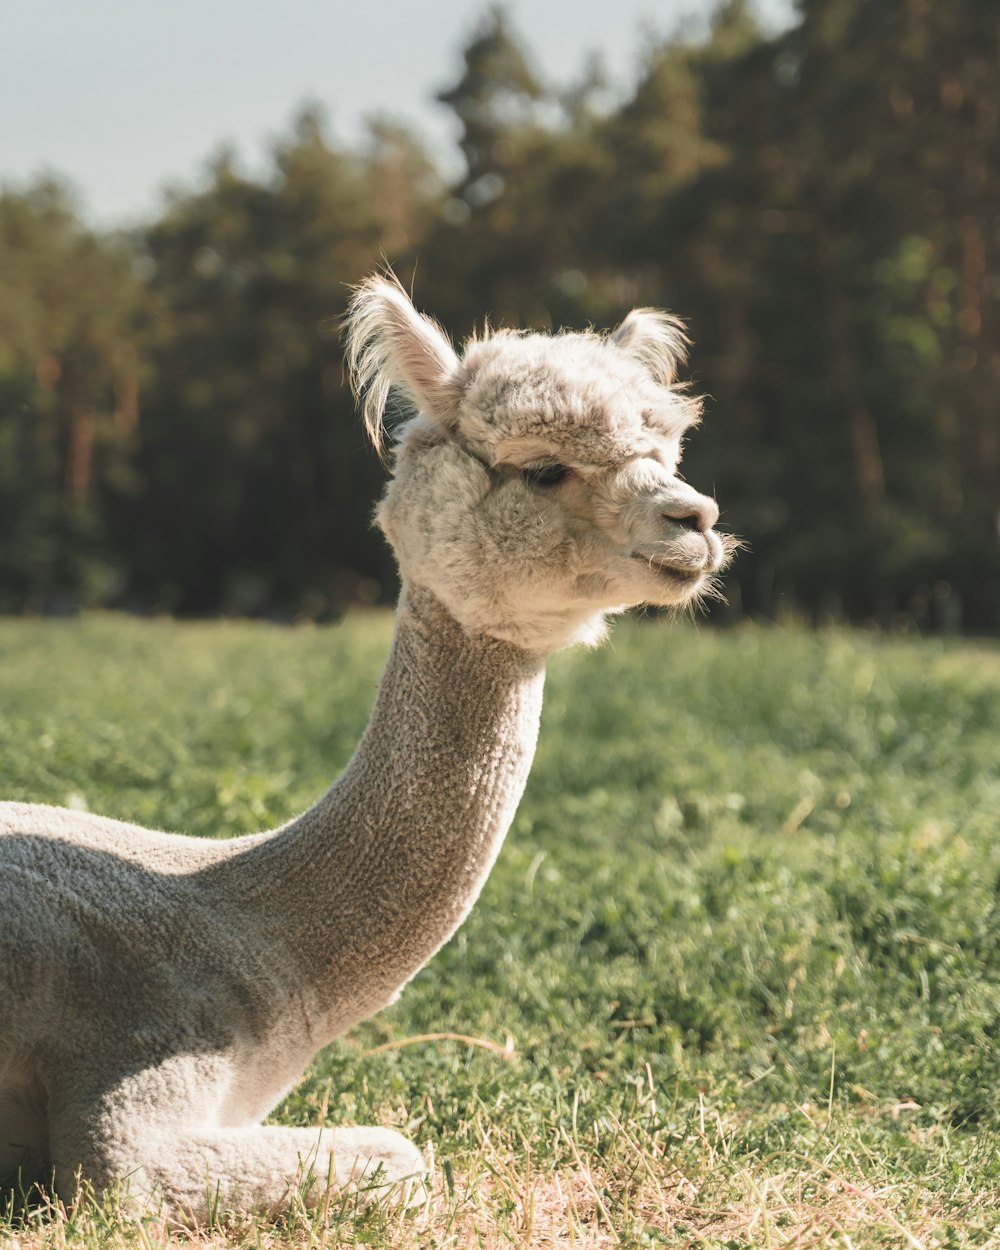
pixel 697 517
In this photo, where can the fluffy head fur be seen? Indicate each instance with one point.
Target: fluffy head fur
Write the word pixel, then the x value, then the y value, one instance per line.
pixel 535 486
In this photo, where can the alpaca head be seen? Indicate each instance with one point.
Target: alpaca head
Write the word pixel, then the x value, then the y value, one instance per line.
pixel 535 487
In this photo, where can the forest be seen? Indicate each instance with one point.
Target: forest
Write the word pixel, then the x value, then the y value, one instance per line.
pixel 821 205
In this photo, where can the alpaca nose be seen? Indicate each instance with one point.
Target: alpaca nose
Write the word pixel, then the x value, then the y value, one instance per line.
pixel 693 512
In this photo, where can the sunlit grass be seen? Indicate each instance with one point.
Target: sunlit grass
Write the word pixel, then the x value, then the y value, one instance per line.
pixel 744 937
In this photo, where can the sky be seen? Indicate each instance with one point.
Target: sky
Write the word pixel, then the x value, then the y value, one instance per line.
pixel 127 97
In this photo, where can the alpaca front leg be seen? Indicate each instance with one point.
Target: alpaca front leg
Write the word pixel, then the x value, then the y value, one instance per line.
pixel 261 1167
pixel 192 1174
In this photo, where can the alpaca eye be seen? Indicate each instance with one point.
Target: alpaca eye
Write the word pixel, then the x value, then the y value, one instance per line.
pixel 545 474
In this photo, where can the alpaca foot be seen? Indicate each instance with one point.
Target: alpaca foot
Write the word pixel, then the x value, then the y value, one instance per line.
pixel 378 1164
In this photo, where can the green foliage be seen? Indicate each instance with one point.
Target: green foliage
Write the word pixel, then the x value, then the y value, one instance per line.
pixel 747 914
pixel 495 101
pixel 248 419
pixel 68 384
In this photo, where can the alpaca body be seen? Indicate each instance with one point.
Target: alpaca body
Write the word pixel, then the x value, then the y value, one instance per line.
pixel 208 973
pixel 159 994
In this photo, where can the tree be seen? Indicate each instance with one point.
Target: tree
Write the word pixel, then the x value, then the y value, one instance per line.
pixel 247 418
pixel 496 100
pixel 69 373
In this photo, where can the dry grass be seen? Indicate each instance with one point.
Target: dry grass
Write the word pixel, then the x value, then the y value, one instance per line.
pixel 638 1193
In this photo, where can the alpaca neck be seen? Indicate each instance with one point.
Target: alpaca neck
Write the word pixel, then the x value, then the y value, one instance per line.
pixel 379 873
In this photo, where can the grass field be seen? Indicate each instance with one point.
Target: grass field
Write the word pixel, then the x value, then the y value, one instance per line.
pixel 734 982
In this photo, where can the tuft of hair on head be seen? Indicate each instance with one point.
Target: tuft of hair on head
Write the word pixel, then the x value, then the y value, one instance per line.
pixel 388 343
pixel 657 340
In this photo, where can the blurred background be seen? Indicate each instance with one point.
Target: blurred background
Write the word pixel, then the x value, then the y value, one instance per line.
pixel 188 190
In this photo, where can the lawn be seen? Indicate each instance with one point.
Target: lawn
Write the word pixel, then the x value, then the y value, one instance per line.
pixel 734 981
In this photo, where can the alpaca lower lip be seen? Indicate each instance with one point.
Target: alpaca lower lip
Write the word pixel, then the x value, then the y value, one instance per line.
pixel 677 572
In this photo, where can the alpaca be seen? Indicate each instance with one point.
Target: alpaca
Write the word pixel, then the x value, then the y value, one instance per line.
pixel 159 994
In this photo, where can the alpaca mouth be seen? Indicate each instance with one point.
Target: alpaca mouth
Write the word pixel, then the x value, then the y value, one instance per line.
pixel 675 572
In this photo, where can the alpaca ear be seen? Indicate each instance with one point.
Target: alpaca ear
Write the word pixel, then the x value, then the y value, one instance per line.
pixel 388 343
pixel 656 339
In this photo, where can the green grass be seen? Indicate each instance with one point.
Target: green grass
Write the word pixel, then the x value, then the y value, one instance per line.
pixel 745 932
